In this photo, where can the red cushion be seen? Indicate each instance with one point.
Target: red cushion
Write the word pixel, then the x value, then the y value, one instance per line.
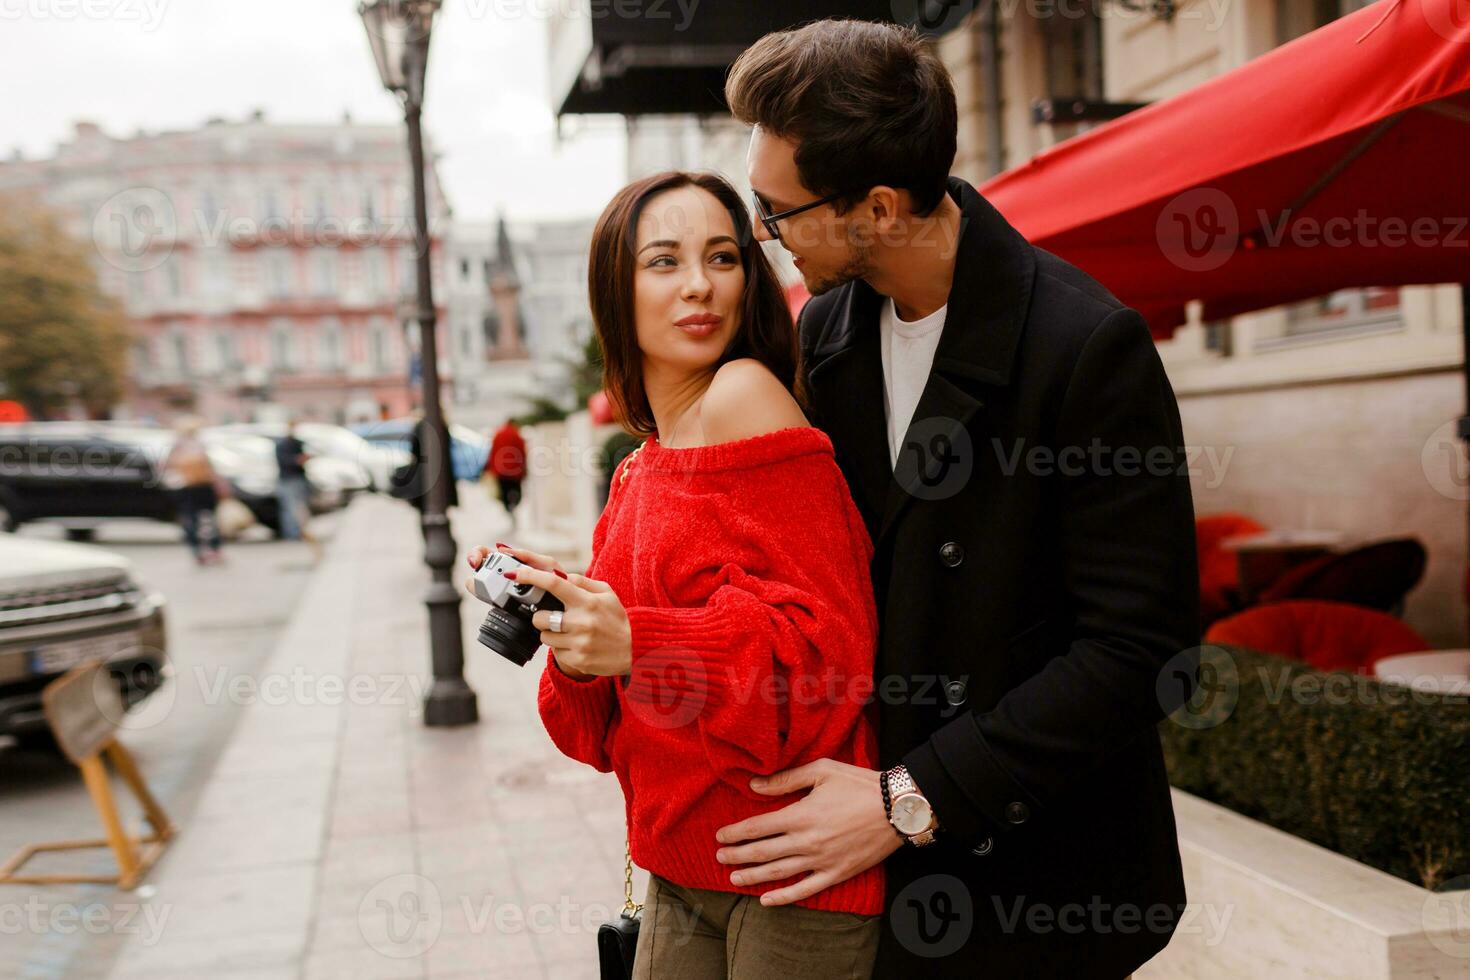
pixel 1219 573
pixel 1326 635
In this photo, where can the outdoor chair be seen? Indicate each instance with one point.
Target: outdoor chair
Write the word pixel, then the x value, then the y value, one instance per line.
pixel 1325 635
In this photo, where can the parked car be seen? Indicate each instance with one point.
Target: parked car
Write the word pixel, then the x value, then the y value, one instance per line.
pixel 333 481
pixel 468 449
pixel 373 464
pixel 77 473
pixel 65 604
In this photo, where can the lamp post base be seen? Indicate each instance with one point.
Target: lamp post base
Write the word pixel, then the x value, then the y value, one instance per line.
pixel 450 702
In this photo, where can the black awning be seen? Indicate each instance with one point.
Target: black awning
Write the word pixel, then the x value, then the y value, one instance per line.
pixel 670 56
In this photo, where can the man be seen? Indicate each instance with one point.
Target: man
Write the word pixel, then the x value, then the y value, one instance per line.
pixel 293 493
pixel 1014 446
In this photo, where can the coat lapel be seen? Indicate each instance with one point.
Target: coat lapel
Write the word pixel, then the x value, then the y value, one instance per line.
pixel 847 378
pixel 988 303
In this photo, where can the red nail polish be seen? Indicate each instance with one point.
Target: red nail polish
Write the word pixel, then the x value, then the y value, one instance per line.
pixel 561 573
pixel 501 544
pixel 511 576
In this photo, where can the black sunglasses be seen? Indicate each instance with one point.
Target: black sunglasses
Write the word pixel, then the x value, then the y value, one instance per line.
pixel 770 220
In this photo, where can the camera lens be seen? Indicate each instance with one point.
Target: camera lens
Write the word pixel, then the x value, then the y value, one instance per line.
pixel 509 632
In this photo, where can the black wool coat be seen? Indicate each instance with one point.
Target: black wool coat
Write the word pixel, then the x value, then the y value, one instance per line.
pixel 1036 581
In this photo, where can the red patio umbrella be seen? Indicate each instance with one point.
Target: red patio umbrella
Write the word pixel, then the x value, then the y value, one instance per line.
pixel 1340 159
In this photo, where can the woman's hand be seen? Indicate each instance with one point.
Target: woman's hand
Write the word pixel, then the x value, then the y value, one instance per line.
pixel 477 557
pixel 595 638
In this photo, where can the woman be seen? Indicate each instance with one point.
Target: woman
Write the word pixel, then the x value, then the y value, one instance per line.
pixel 726 623
pixel 190 479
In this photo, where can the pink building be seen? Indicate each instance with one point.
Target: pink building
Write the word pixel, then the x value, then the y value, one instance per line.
pixel 260 264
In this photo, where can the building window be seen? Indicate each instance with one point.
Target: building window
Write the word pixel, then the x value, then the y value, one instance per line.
pixel 179 348
pixel 369 205
pixel 464 270
pixel 319 204
pixel 376 274
pixel 224 345
pixel 216 274
pixel 282 353
pixel 1343 310
pixel 173 276
pixel 325 267
pixel 1218 337
pixel 208 205
pixel 380 347
pixel 1072 43
pixel 277 274
pixel 331 334
pixel 466 341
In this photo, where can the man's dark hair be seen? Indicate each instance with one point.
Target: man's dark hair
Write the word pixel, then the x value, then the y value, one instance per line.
pixel 866 104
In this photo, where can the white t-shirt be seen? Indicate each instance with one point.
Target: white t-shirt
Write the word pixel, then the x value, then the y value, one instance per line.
pixel 908 354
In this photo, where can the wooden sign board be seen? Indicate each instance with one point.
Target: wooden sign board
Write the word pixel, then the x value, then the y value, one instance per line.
pixel 84 708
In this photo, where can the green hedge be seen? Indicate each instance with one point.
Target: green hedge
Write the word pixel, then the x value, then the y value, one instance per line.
pixel 1374 771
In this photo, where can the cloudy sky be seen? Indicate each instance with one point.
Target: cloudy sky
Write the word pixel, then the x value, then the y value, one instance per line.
pixel 171 64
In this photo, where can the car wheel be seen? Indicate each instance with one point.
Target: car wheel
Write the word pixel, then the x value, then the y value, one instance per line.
pixel 81 534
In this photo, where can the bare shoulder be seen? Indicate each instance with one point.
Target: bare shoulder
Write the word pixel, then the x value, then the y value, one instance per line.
pixel 745 399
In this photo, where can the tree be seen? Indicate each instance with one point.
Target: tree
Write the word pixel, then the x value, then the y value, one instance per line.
pixel 587 373
pixel 61 338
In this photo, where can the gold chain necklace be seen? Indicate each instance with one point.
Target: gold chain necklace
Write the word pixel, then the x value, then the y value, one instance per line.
pixel 628 462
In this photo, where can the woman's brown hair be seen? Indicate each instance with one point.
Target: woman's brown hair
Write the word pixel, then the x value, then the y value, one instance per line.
pixel 766 332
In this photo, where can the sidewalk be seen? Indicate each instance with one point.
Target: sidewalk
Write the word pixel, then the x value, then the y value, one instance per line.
pixel 339 837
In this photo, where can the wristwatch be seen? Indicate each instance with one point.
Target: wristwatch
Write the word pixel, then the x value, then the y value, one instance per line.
pixel 910 813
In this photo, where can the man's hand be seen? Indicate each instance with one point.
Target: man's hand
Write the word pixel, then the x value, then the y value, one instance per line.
pixel 835 831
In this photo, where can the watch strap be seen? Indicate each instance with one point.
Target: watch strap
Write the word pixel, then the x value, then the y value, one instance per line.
pixel 897 782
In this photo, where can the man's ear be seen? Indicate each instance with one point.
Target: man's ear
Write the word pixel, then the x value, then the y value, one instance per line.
pixel 888 208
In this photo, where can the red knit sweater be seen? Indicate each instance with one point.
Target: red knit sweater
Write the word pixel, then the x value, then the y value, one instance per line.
pixel 743 568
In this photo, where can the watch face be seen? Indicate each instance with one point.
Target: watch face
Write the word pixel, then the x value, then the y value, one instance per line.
pixel 911 814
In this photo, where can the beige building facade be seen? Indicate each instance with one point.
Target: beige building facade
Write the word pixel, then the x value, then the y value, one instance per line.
pixel 1334 414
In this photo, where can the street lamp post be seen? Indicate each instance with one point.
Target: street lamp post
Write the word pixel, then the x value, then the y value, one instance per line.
pixel 398 31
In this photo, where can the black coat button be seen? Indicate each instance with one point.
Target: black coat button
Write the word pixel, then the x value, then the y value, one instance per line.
pixel 952 554
pixel 1017 812
pixel 954 692
pixel 984 847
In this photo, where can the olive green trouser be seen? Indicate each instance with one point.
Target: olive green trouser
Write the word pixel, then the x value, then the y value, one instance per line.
pixel 696 934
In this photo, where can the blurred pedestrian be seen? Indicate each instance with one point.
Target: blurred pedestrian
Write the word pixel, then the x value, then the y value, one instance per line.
pixel 293 492
pixel 507 463
pixel 192 482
